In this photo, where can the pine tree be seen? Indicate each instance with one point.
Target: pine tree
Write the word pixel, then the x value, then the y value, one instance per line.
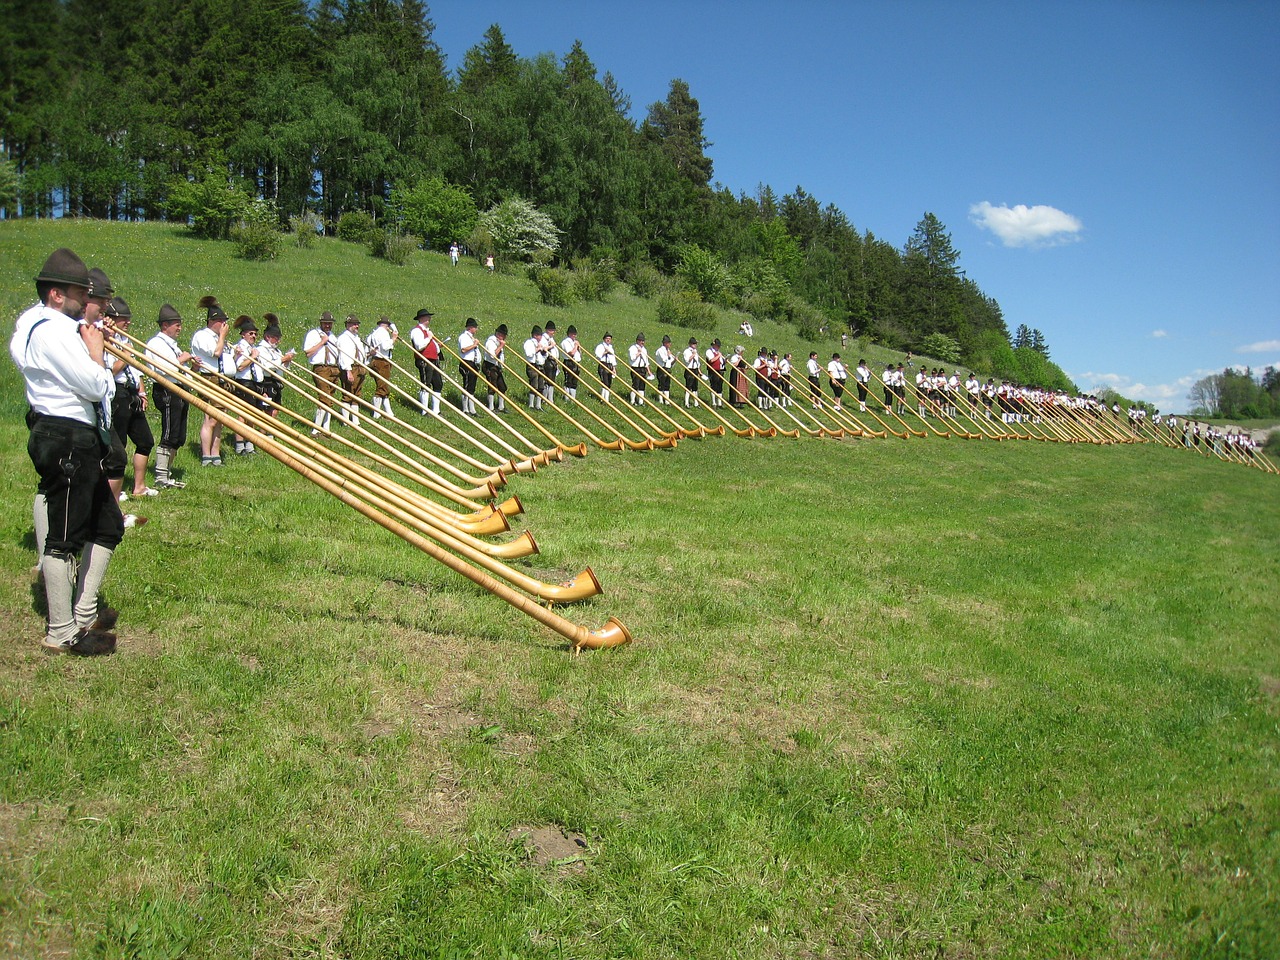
pixel 676 123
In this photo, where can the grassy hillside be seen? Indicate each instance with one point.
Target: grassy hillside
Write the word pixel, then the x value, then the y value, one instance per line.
pixel 889 698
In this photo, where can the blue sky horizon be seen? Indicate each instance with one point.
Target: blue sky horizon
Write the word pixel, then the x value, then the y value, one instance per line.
pixel 1109 172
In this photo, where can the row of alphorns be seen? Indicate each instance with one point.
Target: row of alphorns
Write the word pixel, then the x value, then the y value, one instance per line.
pixel 498 449
pixel 389 476
pixel 826 411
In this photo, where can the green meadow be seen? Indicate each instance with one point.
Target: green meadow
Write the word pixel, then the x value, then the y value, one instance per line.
pixel 887 698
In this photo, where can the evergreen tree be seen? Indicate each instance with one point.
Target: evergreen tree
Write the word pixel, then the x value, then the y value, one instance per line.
pixel 932 281
pixel 676 123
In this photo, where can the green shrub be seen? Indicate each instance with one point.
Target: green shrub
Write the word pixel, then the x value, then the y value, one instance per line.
pixel 705 272
pixel 437 211
pixel 355 226
pixel 646 280
pixel 941 347
pixel 556 286
pixel 593 279
pixel 684 308
pixel 256 235
pixel 213 204
pixel 395 248
pixel 306 229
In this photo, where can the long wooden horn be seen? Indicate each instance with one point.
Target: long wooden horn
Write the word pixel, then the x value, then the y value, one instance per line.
pixel 538 453
pixel 619 443
pixel 660 438
pixel 579 587
pixel 301 386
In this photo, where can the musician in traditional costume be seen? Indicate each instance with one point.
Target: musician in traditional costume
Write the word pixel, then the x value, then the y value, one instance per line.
pixel 381 344
pixel 493 365
pixel 469 350
pixel 692 360
pixel 638 360
pixel 426 357
pixel 606 364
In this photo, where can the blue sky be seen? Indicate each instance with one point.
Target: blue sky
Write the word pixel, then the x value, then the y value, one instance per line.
pixel 1109 172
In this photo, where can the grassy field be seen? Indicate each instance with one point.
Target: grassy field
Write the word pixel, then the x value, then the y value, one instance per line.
pixel 888 698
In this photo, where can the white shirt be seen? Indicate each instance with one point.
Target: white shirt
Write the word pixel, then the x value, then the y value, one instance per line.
pixel 421 335
pixel 351 350
pixel 638 354
pixel 690 357
pixel 252 370
pixel 62 380
pixel 324 356
pixel 271 359
pixel 665 357
pixel 162 354
pixel 837 370
pixel 533 351
pixel 494 349
pixel 606 354
pixel 127 377
pixel 469 346
pixel 204 346
pixel 380 342
pixel 550 349
pixel 814 367
pixel 571 348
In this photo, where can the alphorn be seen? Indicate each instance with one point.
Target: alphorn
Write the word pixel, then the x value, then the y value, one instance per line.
pixel 309 392
pixel 620 442
pixel 480 487
pixel 664 439
pixel 583 585
pixel 474 524
pixel 535 455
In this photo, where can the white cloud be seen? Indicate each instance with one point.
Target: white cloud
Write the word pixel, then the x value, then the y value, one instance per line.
pixel 1159 334
pixel 1262 346
pixel 1023 226
pixel 1125 386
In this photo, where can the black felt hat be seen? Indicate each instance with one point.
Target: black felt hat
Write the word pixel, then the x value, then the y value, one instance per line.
pixel 99 285
pixel 63 266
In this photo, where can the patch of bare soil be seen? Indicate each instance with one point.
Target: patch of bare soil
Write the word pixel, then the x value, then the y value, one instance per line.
pixel 553 846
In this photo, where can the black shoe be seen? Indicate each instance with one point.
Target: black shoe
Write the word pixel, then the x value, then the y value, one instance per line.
pixel 106 621
pixel 92 643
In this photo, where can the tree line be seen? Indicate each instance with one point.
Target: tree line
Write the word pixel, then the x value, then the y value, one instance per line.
pixel 308 112
pixel 1237 394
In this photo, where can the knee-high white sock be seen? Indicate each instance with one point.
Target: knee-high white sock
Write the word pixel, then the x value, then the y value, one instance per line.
pixel 59 589
pixel 93 570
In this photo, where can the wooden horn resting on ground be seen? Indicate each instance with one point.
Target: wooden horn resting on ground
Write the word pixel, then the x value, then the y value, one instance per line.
pixel 527 461
pixel 573 449
pixel 614 633
pixel 659 439
pixel 482 488
pixel 621 440
pixel 613 445
pixel 392 442
pixel 497 463
pixel 893 413
pixel 407 505
pixel 850 422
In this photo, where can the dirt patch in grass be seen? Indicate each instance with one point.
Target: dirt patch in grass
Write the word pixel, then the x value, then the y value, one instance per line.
pixel 553 846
